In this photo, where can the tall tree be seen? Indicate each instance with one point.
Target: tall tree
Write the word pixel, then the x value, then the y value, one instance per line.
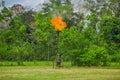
pixel 62 8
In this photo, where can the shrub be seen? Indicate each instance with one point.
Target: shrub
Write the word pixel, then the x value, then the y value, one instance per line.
pixel 94 56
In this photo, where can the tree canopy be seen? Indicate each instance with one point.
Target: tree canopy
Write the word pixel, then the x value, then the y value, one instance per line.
pixel 90 39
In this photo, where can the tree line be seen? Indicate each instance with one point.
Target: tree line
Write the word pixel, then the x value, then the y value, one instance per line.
pixel 91 38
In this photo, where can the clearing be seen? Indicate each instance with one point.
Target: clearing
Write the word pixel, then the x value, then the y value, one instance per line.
pixel 48 73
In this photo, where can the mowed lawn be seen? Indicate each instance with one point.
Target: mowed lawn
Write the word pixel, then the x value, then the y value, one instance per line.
pixel 48 73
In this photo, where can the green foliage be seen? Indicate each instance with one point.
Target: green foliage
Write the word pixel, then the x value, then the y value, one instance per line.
pixel 22 29
pixel 92 17
pixel 27 17
pixel 95 56
pixel 6 12
pixel 94 41
pixel 1 17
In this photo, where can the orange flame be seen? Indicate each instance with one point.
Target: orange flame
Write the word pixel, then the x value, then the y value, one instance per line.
pixel 58 23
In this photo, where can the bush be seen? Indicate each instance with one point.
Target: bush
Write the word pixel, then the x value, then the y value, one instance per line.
pixel 94 56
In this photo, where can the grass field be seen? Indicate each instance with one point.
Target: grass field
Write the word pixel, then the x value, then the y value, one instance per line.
pixel 48 73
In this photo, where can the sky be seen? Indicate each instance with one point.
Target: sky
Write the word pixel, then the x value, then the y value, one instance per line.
pixel 29 3
pixel 26 3
pixel 35 4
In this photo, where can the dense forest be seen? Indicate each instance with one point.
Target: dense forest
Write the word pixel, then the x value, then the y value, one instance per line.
pixel 91 36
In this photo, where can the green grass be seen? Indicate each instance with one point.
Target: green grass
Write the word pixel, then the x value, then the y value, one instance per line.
pixel 36 63
pixel 48 73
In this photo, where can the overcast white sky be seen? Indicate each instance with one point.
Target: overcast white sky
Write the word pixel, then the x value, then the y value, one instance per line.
pixel 32 3
pixel 26 3
pixel 29 3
